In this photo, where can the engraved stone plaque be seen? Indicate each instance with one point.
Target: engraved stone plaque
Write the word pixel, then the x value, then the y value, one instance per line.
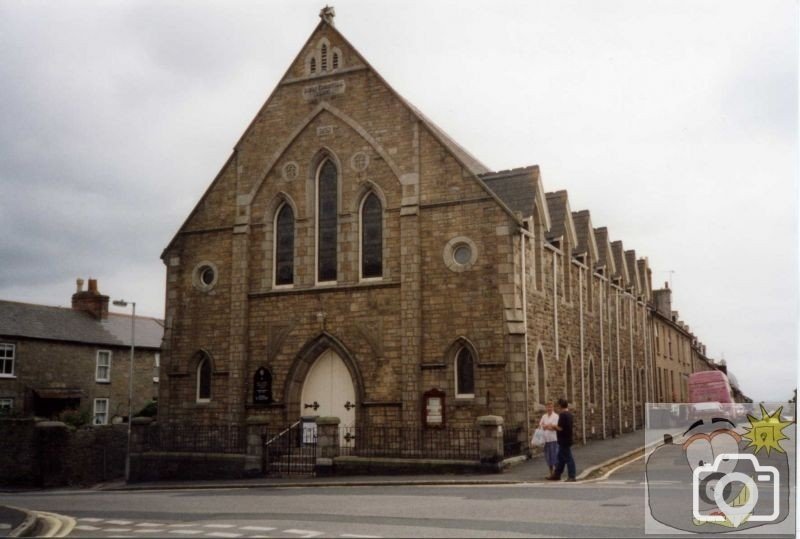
pixel 323 89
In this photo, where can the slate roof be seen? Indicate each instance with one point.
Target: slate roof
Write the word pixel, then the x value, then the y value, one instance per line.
pixel 601 237
pixel 64 324
pixel 582 229
pixel 515 187
pixel 642 265
pixel 557 204
pixel 619 259
pixel 633 270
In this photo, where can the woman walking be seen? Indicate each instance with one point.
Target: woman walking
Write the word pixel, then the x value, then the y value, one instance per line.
pixel 547 423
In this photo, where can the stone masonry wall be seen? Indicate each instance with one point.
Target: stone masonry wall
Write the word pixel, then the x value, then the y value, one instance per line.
pixel 53 364
pixel 50 454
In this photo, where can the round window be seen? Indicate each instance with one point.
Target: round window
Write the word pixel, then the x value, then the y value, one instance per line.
pixel 204 276
pixel 462 254
pixel 207 275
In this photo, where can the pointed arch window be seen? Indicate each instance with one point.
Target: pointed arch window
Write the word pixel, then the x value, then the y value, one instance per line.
pixel 569 380
pixel 204 379
pixel 313 65
pixel 640 386
pixel 465 373
pixel 327 221
pixel 284 246
pixel 371 237
pixel 540 379
pixel 324 57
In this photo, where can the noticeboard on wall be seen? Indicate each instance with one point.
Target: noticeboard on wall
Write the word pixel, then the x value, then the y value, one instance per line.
pixel 434 414
pixel 262 386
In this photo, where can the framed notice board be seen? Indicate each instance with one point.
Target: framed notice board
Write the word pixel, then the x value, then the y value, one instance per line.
pixel 434 412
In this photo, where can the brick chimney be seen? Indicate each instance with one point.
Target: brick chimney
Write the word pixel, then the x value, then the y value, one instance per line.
pixel 91 301
pixel 663 301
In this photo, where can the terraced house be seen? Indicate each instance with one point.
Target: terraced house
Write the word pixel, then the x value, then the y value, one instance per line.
pixel 350 259
pixel 77 359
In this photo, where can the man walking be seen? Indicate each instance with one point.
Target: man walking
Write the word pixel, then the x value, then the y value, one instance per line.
pixel 564 435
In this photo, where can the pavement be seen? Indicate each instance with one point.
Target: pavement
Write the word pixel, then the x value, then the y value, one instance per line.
pixel 592 459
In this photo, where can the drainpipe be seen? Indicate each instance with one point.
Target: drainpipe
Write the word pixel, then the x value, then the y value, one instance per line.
pixel 633 369
pixel 600 308
pixel 619 371
pixel 583 384
pixel 555 301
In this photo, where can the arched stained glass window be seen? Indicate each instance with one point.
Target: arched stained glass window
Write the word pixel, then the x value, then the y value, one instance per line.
pixel 204 379
pixel 284 246
pixel 327 221
pixel 371 237
pixel 540 379
pixel 465 373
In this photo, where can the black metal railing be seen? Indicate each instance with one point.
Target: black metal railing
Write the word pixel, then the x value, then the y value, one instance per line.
pixel 290 450
pixel 512 441
pixel 196 438
pixel 410 442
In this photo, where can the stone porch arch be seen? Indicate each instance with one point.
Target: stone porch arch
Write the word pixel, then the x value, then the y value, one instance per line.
pixel 306 357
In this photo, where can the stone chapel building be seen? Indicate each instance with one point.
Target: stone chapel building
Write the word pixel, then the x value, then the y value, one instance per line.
pixel 350 258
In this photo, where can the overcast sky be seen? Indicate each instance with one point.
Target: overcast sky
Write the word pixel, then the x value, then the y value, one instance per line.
pixel 674 123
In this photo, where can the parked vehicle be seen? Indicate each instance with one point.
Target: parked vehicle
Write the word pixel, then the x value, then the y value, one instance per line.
pixel 710 386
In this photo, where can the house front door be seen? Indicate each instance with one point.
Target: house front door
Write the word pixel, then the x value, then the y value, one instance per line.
pixel 328 390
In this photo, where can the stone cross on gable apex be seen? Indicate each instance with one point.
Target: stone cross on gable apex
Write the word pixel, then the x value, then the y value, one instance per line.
pixel 327 14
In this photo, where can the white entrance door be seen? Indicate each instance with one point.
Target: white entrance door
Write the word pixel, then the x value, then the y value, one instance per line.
pixel 328 390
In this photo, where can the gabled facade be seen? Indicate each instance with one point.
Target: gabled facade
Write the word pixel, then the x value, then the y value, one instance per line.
pixel 352 258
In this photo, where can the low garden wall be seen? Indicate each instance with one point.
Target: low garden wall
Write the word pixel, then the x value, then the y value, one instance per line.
pixel 50 453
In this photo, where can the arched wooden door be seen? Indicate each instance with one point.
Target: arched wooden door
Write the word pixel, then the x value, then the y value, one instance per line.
pixel 328 390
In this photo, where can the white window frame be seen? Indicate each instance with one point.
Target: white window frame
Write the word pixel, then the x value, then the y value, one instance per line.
pixel 104 412
pixel 157 365
pixel 13 359
pixel 361 277
pixel 317 282
pixel 97 366
pixel 275 247
pixel 455 372
pixel 6 405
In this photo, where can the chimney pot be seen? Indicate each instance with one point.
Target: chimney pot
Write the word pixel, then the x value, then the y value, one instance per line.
pixel 91 301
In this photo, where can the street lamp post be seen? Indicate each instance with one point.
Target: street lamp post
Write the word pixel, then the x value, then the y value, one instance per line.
pixel 123 303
